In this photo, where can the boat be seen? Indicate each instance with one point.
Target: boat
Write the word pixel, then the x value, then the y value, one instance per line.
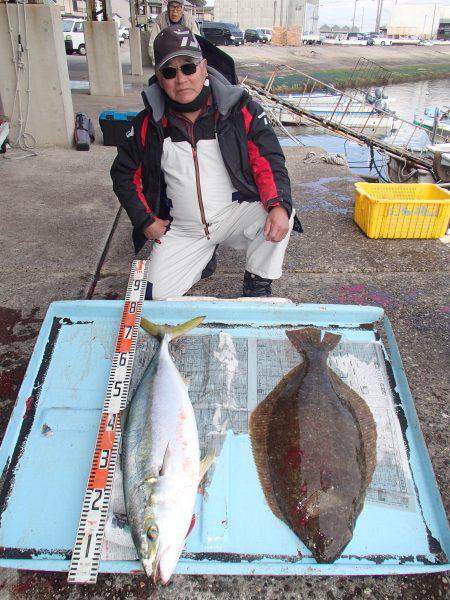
pixel 435 118
pixel 370 114
pixel 400 171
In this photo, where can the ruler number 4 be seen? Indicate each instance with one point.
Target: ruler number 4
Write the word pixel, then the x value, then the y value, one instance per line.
pixel 111 422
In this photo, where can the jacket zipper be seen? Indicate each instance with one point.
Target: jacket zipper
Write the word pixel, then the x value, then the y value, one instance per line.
pixel 199 191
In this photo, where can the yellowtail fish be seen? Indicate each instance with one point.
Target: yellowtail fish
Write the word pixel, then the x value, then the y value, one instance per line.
pixel 161 459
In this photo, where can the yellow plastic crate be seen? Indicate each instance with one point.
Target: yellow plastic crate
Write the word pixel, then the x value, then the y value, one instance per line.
pixel 394 210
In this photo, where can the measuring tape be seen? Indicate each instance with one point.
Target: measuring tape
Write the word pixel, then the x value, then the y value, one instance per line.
pixel 88 543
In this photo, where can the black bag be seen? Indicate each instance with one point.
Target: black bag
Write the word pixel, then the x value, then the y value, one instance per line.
pixel 84 131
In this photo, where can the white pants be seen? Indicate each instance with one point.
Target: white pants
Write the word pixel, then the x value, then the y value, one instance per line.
pixel 176 264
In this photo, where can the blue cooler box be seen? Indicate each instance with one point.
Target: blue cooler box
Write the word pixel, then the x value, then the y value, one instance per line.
pixel 114 125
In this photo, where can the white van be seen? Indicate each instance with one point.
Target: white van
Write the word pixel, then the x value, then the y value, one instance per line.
pixel 74 35
pixel 73 32
pixel 265 31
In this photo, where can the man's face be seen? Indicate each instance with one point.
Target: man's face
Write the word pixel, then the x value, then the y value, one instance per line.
pixel 175 11
pixel 183 88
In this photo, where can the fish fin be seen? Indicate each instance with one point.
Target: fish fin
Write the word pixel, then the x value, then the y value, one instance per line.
pixel 159 331
pixel 191 526
pixel 166 461
pixel 310 338
pixel 123 414
pixel 364 418
pixel 258 430
pixel 330 341
pixel 206 463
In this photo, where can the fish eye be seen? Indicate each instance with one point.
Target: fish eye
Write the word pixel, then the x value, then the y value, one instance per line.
pixel 152 532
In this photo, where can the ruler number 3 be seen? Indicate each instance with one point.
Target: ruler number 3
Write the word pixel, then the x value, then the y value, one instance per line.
pixel 104 457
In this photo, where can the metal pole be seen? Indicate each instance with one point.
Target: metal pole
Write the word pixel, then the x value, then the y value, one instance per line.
pixel 379 11
pixel 354 15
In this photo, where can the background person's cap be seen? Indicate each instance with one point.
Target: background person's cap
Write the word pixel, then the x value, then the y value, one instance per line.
pixel 176 2
pixel 173 41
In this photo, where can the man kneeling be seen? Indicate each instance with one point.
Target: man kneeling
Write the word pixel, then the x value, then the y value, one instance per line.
pixel 201 167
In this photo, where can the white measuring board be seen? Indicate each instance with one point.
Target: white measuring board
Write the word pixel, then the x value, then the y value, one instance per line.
pixel 86 552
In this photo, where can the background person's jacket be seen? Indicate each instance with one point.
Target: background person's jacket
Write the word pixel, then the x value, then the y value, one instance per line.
pixel 162 21
pixel 250 150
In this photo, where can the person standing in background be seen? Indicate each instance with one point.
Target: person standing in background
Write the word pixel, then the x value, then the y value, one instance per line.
pixel 174 15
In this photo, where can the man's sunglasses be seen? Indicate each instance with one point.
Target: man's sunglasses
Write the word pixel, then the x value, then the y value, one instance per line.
pixel 186 69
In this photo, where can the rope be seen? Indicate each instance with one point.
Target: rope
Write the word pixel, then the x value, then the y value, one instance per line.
pixel 19 66
pixel 329 158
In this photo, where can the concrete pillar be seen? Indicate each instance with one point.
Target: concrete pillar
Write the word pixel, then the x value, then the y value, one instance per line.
pixel 136 51
pixel 46 110
pixel 103 58
pixel 145 36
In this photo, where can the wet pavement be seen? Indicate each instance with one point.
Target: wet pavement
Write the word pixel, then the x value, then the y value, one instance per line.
pixel 58 212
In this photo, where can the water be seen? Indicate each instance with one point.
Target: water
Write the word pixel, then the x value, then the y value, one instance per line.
pixel 406 100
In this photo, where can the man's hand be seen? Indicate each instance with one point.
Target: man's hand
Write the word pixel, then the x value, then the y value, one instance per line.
pixel 277 224
pixel 156 230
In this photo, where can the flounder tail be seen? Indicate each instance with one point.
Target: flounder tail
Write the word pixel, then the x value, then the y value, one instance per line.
pixel 309 338
pixel 173 331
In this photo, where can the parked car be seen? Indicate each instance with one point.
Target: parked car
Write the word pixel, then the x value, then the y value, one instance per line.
pixel 253 35
pixel 124 32
pixel 222 34
pixel 265 31
pixel 380 40
pixel 73 32
pixel 312 38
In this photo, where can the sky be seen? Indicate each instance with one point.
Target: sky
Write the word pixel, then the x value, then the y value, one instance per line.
pixel 340 12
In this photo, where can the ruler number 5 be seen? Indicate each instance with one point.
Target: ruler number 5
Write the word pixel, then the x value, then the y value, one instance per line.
pixel 117 388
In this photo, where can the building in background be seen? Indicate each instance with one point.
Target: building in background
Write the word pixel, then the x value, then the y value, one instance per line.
pixel 248 14
pixel 430 20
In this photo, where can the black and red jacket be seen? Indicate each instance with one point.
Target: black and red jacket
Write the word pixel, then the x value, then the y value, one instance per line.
pixel 248 144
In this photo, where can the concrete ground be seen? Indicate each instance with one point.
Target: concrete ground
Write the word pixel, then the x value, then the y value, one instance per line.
pixel 58 214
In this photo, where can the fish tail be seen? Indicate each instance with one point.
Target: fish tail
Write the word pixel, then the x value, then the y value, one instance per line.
pixel 309 338
pixel 159 331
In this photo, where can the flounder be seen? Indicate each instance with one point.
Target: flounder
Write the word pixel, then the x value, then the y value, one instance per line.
pixel 314 445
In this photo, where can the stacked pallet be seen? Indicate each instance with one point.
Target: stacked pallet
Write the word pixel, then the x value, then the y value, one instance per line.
pixel 278 36
pixel 293 36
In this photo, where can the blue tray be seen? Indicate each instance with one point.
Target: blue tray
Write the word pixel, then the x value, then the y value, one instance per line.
pixel 44 476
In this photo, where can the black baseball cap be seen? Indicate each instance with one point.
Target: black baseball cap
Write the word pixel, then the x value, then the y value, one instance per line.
pixel 173 41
